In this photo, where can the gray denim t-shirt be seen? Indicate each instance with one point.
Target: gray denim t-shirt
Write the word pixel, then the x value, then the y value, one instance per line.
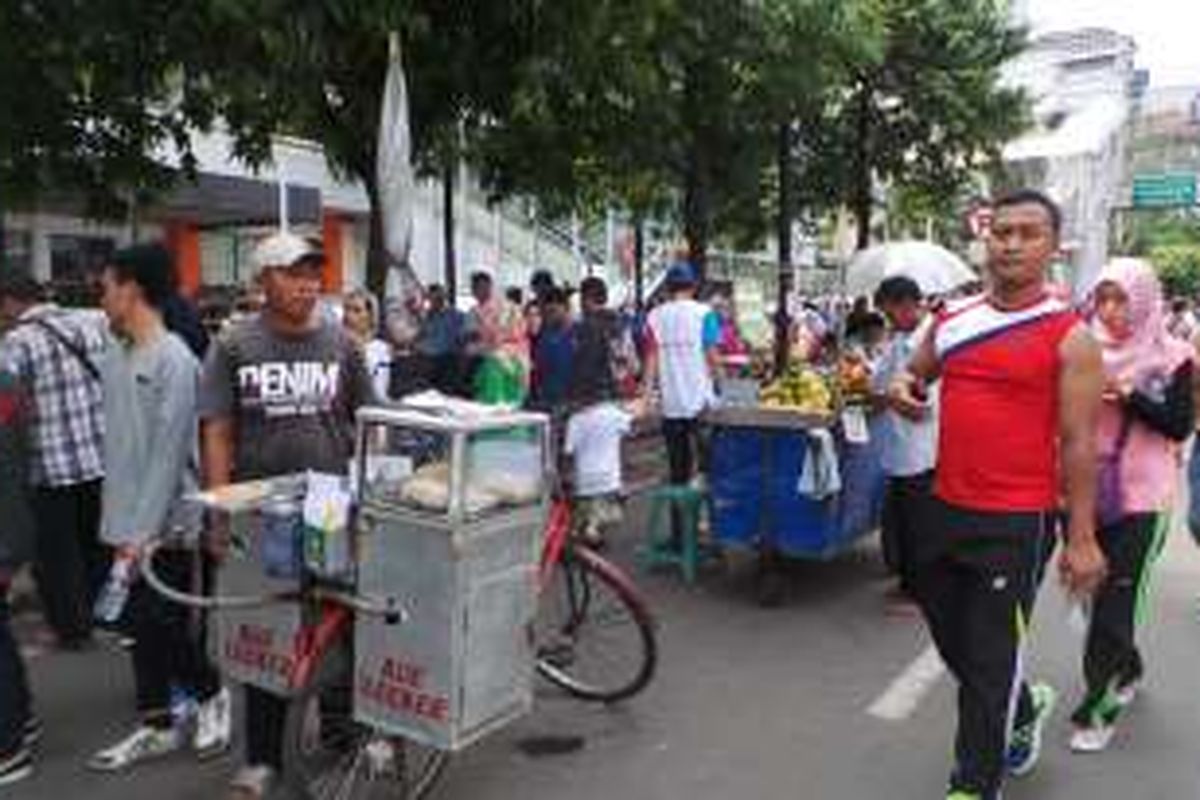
pixel 292 399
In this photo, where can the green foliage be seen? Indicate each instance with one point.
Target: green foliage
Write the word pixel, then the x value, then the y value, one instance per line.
pixel 923 110
pixel 1150 229
pixel 724 115
pixel 90 91
pixel 1178 267
pixel 316 68
pixel 1171 241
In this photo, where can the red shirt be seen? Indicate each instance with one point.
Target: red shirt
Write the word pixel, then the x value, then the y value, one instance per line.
pixel 998 448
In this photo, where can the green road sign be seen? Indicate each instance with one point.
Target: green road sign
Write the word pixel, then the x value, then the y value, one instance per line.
pixel 1164 191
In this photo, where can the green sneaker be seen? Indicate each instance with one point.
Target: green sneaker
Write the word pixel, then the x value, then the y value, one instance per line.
pixel 1026 745
pixel 963 796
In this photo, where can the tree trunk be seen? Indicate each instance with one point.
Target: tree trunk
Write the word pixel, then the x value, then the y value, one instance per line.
pixel 449 266
pixel 639 261
pixel 862 202
pixel 697 210
pixel 783 326
pixel 378 261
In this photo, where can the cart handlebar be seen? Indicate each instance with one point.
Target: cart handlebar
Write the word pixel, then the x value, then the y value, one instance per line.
pixel 388 607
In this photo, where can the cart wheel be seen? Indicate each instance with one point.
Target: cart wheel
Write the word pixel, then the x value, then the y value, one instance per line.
pixel 595 636
pixel 328 756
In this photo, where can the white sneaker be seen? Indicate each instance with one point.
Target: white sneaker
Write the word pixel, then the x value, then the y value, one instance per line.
pixel 1092 740
pixel 214 725
pixel 143 744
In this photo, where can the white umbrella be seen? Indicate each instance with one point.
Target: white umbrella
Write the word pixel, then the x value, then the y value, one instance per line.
pixel 935 269
pixel 397 191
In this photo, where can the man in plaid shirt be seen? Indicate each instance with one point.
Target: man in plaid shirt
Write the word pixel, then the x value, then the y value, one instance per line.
pixel 56 354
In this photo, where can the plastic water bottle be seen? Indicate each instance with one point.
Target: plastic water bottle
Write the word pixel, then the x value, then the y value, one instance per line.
pixel 115 593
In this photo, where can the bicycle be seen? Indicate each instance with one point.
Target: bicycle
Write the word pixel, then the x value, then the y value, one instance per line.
pixel 600 607
pixel 327 754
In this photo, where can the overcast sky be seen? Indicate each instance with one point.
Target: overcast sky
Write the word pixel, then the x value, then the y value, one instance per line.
pixel 1167 31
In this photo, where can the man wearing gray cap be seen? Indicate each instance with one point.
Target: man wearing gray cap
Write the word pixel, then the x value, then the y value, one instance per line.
pixel 278 395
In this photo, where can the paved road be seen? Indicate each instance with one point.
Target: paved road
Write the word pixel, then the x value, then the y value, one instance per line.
pixel 750 703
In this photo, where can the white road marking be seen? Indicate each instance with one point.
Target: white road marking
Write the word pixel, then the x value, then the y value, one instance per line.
pixel 905 694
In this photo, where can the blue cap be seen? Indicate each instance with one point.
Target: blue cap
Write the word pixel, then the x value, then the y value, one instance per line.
pixel 681 274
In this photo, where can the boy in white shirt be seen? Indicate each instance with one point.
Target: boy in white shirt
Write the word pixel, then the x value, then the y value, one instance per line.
pixel 593 441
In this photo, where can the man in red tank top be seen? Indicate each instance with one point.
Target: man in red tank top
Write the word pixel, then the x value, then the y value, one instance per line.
pixel 1021 387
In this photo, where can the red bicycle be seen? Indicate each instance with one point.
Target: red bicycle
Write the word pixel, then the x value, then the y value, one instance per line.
pixel 594 637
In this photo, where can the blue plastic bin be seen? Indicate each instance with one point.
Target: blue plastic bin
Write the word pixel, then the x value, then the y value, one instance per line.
pixel 753 480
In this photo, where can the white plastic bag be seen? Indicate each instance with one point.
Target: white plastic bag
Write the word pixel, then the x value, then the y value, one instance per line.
pixel 327 525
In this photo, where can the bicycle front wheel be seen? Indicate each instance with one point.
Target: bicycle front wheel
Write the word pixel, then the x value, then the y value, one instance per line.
pixel 595 636
pixel 329 756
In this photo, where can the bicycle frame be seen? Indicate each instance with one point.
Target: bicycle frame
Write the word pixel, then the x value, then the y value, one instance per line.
pixel 336 614
pixel 558 538
pixel 314 640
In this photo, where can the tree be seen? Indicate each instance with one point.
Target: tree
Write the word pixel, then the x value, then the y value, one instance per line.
pixel 1170 240
pixel 1178 266
pixel 316 68
pixel 667 107
pixel 586 128
pixel 92 93
pixel 925 110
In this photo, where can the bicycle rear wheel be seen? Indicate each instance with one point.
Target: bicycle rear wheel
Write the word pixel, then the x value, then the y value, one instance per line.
pixel 329 756
pixel 595 635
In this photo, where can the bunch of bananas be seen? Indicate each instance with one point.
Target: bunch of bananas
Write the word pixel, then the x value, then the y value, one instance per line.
pixel 801 390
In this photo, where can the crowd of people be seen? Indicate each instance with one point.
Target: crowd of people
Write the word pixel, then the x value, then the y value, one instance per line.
pixel 111 418
pixel 1016 422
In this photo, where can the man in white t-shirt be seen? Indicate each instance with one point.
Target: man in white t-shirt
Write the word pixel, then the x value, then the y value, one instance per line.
pixel 908 443
pixel 681 361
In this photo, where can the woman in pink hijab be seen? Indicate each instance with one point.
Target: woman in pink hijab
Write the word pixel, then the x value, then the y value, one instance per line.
pixel 1148 410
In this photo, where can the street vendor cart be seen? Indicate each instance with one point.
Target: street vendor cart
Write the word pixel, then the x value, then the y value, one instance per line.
pixel 393 615
pixel 402 613
pixel 764 493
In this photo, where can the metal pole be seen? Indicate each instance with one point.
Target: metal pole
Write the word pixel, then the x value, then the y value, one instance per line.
pixel 610 235
pixel 283 204
pixel 450 256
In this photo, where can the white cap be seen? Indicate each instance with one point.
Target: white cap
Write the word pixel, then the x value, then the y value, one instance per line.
pixel 285 250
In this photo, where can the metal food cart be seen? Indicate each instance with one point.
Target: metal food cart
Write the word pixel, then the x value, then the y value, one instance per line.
pixel 419 595
pixel 452 510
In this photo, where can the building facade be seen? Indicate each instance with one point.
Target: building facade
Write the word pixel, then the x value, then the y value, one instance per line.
pixel 1083 85
pixel 213 223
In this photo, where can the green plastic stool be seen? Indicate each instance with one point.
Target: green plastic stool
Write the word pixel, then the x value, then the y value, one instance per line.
pixel 688 501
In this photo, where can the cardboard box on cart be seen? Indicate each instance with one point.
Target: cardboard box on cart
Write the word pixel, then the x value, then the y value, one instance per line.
pixel 462 561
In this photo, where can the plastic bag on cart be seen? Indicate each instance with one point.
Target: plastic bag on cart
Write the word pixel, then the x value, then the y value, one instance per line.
pixel 327 501
pixel 821 476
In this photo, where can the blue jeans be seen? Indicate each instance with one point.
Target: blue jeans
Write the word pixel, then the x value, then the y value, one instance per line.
pixel 1194 491
pixel 14 685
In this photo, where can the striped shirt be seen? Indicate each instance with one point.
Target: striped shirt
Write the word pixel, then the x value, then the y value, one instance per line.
pixel 67 446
